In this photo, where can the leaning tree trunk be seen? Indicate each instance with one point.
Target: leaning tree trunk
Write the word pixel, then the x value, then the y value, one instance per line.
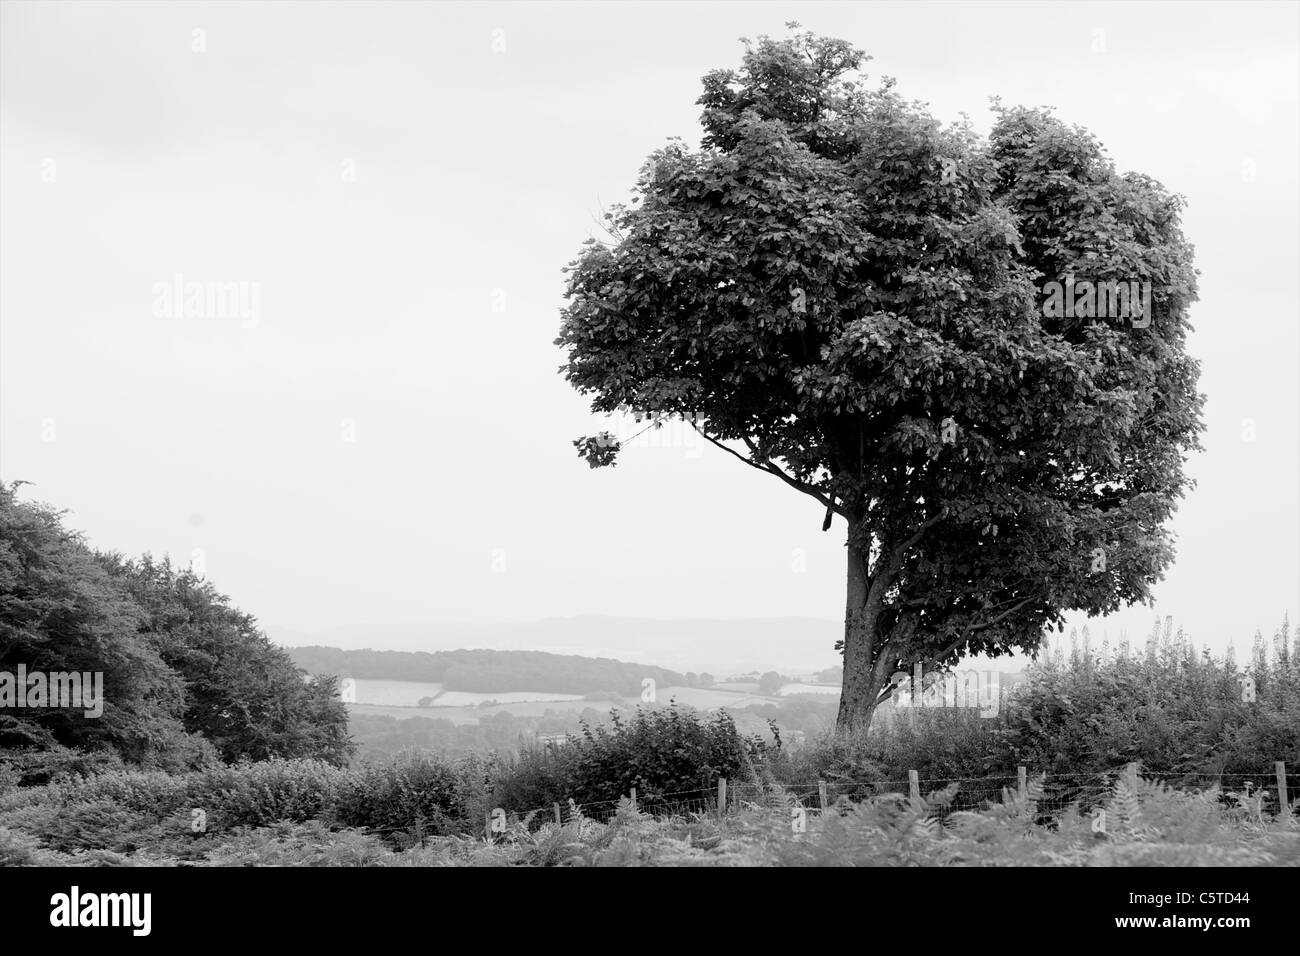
pixel 861 689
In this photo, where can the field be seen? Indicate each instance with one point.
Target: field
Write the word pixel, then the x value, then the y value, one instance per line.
pixel 399 699
pixel 395 693
pixel 794 690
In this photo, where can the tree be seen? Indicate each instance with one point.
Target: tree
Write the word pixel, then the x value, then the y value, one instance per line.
pixel 243 693
pixel 769 685
pixel 832 675
pixel 187 678
pixel 62 613
pixel 918 329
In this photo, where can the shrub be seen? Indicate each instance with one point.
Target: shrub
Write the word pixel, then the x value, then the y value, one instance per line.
pixel 56 763
pixel 1079 720
pixel 90 825
pixel 268 791
pixel 18 848
pixel 151 792
pixel 299 844
pixel 407 792
pixel 669 755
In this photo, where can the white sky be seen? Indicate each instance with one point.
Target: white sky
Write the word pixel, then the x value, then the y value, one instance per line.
pixel 478 171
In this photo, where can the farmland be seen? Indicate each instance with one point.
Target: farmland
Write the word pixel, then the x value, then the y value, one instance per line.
pixel 471 709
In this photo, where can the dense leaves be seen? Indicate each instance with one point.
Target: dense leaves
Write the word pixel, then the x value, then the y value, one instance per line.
pixel 666 754
pixel 187 678
pixel 853 297
pixel 61 610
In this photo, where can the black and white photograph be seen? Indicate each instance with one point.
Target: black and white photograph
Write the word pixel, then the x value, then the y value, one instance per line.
pixel 513 436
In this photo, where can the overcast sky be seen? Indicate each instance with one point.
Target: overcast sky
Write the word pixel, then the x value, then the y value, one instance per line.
pixel 381 434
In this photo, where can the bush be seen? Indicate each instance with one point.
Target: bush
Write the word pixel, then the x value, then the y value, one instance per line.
pixel 150 792
pixel 38 767
pixel 299 844
pixel 267 792
pixel 407 793
pixel 671 756
pixel 9 778
pixel 1079 720
pixel 18 848
pixel 92 825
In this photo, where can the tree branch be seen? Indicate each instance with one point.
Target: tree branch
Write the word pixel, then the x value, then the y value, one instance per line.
pixel 882 577
pixel 973 628
pixel 772 469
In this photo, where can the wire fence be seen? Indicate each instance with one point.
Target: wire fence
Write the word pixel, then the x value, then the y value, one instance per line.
pixel 1053 794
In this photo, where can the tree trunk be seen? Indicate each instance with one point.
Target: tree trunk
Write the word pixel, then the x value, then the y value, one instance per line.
pixel 858 696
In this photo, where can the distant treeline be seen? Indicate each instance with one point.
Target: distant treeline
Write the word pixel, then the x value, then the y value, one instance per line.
pixel 487 672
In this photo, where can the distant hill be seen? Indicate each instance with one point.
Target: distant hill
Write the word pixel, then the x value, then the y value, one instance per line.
pixel 487 671
pixel 723 647
pixel 791 645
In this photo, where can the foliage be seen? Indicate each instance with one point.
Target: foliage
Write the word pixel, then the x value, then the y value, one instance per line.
pixel 664 753
pixel 187 679
pixel 769 685
pixel 853 295
pixel 1178 714
pixel 300 844
pixel 1147 825
pixel 416 794
pixel 243 693
pixel 62 611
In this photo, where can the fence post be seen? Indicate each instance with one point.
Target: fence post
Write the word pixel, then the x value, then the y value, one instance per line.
pixel 914 784
pixel 558 822
pixel 1132 772
pixel 634 798
pixel 821 792
pixel 1023 776
pixel 487 827
pixel 1285 807
pixel 722 796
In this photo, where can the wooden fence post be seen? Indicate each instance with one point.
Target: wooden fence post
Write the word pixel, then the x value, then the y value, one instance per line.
pixel 1282 803
pixel 634 798
pixel 821 792
pixel 1132 772
pixel 558 822
pixel 914 784
pixel 1023 776
pixel 722 796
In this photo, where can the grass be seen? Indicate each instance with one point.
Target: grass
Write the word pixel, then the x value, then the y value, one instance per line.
pixel 1150 825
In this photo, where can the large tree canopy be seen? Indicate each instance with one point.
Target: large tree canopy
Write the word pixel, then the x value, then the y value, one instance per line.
pixel 913 326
